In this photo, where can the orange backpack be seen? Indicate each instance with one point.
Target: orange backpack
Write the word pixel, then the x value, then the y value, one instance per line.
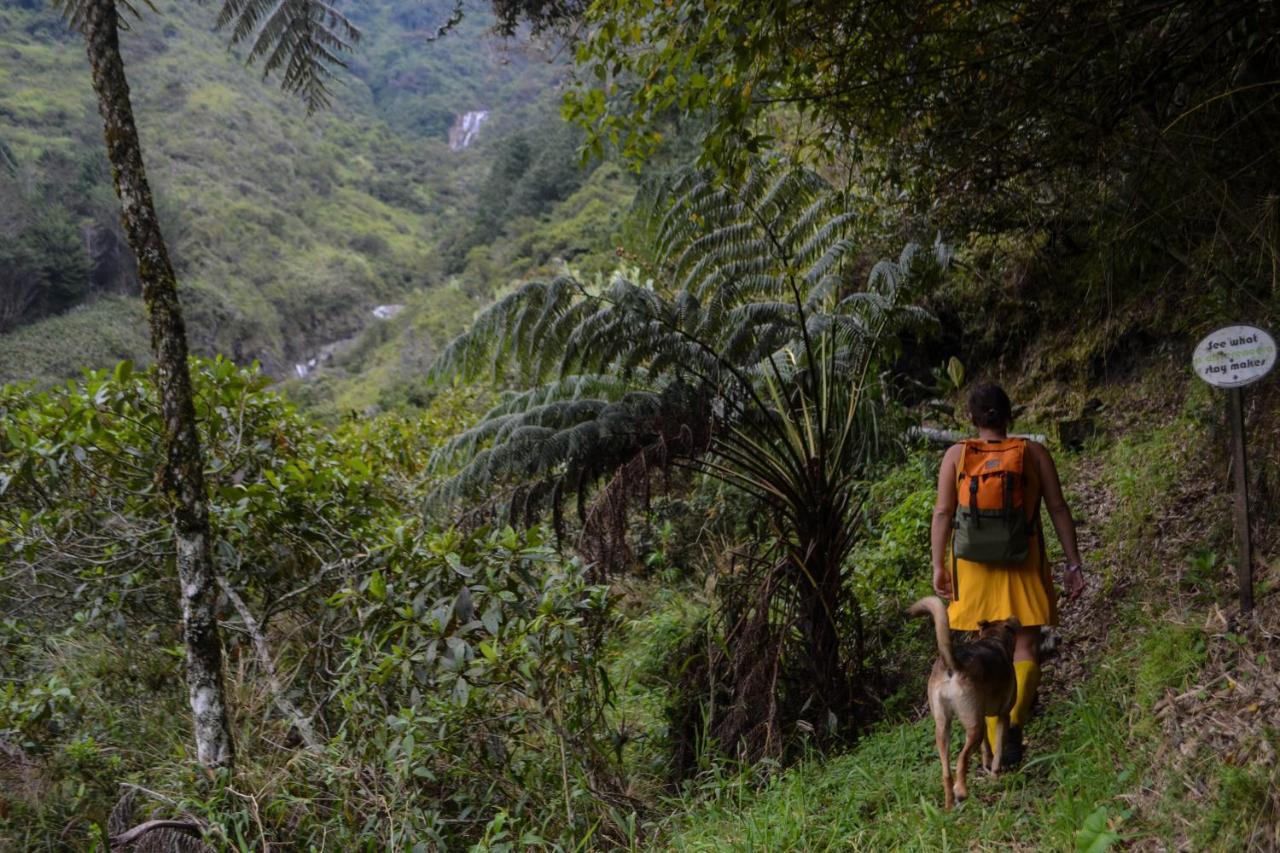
pixel 991 523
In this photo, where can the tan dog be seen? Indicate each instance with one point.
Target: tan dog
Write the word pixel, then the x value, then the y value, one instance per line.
pixel 973 681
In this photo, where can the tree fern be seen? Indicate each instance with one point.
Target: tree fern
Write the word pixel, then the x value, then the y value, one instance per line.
pixel 740 278
pixel 748 356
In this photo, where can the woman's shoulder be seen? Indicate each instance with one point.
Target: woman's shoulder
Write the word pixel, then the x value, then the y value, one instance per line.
pixel 1039 455
pixel 1035 448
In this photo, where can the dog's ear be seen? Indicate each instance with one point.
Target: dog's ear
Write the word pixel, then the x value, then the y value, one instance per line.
pixel 983 624
pixel 1014 623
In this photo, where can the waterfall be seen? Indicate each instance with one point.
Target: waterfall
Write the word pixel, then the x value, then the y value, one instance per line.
pixel 465 128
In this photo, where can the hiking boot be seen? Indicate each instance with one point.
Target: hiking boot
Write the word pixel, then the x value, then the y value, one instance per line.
pixel 1011 754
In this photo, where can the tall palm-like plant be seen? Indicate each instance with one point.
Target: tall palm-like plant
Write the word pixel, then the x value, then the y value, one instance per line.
pixel 749 356
pixel 303 39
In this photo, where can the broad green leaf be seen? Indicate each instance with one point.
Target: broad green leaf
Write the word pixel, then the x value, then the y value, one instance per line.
pixel 1095 835
pixel 123 372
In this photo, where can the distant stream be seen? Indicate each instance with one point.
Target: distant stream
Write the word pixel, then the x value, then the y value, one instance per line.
pixel 465 130
pixel 325 355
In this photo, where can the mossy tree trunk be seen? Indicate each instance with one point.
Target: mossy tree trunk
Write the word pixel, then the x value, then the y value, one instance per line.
pixel 184 463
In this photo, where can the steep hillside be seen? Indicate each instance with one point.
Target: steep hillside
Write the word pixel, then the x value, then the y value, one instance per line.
pixel 1157 722
pixel 626 565
pixel 286 229
pixel 382 368
pixel 424 83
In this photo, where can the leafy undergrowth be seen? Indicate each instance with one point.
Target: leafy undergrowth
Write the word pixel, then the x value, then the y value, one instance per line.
pixel 1159 721
pixel 111 328
pixel 1158 726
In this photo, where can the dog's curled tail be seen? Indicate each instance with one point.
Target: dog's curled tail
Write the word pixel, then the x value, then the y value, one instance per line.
pixel 935 607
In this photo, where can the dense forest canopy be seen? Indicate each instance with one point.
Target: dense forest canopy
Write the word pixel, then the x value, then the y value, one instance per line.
pixel 568 382
pixel 1139 131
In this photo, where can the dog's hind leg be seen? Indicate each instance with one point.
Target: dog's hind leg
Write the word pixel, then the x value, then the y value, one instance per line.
pixel 973 735
pixel 1002 729
pixel 942 734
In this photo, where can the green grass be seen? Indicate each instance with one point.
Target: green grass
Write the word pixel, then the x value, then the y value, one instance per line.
pixel 1144 469
pixel 1085 756
pixel 887 793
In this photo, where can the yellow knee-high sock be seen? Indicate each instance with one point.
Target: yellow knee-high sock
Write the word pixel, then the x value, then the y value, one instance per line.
pixel 1028 672
pixel 1028 677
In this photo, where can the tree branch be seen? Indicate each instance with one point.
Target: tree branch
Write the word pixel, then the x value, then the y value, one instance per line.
pixel 124 839
pixel 300 721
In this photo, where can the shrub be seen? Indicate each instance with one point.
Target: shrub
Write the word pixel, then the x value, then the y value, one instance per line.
pixel 416 682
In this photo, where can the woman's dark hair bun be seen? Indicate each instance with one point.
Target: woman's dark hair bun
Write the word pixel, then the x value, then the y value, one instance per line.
pixel 989 406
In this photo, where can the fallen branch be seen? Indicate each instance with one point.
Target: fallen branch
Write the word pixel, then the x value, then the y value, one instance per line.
pixel 952 436
pixel 300 721
pixel 124 839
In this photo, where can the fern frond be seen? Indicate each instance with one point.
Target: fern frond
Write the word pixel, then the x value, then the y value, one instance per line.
pixel 511 324
pixel 304 38
pixel 749 335
pixel 820 210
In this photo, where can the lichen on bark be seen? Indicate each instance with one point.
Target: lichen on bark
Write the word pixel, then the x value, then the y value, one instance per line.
pixel 184 462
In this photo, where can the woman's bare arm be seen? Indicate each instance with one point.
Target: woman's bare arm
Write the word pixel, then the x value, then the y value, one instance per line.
pixel 1060 514
pixel 1056 504
pixel 944 513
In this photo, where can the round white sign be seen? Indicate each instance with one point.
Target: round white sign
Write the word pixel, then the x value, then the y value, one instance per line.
pixel 1234 356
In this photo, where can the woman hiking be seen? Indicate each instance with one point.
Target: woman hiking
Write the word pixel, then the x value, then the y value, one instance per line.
pixel 988 543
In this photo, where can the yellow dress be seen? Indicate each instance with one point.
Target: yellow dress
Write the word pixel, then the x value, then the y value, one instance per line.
pixel 980 591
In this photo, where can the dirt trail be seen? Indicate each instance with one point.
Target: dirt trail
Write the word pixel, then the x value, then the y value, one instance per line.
pixel 1229 711
pixel 1085 623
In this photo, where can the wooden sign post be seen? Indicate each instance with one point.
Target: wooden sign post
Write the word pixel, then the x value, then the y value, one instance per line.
pixel 1233 357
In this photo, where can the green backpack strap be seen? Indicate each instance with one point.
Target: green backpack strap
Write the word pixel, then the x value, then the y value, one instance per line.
pixel 955 522
pixel 955 576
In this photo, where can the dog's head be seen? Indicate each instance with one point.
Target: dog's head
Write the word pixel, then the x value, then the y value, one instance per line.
pixel 1003 631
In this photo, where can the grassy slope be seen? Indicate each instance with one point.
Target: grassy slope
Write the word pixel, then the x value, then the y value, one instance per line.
pixel 111 329
pixel 287 229
pixel 1112 754
pixel 384 368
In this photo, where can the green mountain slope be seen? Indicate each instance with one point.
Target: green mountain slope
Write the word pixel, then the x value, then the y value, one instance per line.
pixel 286 229
pixel 407 671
